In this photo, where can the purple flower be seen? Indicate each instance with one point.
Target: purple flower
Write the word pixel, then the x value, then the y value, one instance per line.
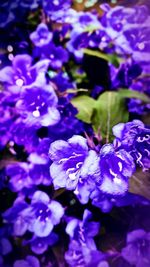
pixel 134 137
pixel 142 14
pixel 15 217
pixel 7 14
pixel 123 76
pixel 2 178
pixel 83 231
pixel 7 117
pixel 39 163
pixel 25 175
pixel 40 244
pixel 61 80
pixel 22 72
pixel 29 4
pixel 40 155
pixel 115 167
pixel 5 133
pixel 137 250
pixel 5 246
pixel 78 41
pixel 117 17
pixel 86 21
pixel 66 17
pixel 82 34
pixel 38 105
pixel 128 28
pixel 77 256
pixel 30 261
pixel 19 176
pixel 55 6
pixel 106 201
pixel 68 158
pixel 56 55
pixel 24 135
pixel 41 37
pixel 39 173
pixel 135 105
pixel 74 166
pixel 39 217
pixel 44 214
pixel 68 126
pixel 138 38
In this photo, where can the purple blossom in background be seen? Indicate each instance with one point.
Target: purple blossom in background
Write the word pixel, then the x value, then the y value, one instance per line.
pixel 7 117
pixel 116 168
pixel 128 28
pixel 106 202
pixel 40 174
pixel 77 256
pixel 15 74
pixel 29 4
pixel 40 244
pixel 25 175
pixel 56 6
pixel 22 72
pixel 123 76
pixel 15 217
pixel 5 246
pixel 138 38
pixel 40 162
pixel 85 21
pixel 40 156
pixel 39 217
pixel 43 213
pixel 83 231
pixel 135 105
pixel 19 176
pixel 45 48
pixel 80 37
pixel 30 261
pixel 68 126
pixel 5 133
pixel 82 249
pixel 62 81
pixel 137 250
pixel 55 55
pixel 117 17
pixel 24 135
pixel 41 37
pixel 38 105
pixel 134 137
pixel 2 178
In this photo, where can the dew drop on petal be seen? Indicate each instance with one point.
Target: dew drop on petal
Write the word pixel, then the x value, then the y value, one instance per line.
pixel 141 46
pixel 19 82
pixel 117 181
pixel 36 113
pixel 72 176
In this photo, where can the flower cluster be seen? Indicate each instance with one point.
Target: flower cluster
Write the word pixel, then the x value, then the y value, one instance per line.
pixel 74 134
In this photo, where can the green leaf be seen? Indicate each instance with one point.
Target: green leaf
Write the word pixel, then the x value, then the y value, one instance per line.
pixel 139 184
pixel 84 105
pixel 74 91
pixel 126 93
pixel 109 110
pixel 112 58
